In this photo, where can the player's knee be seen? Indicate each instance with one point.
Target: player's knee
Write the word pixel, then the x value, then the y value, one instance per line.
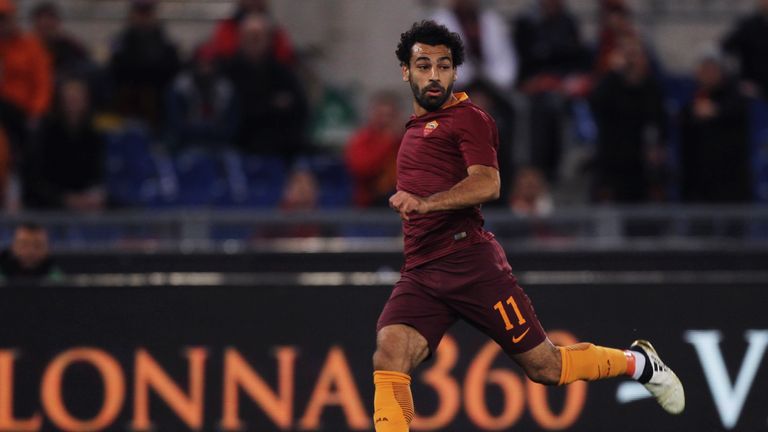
pixel 390 358
pixel 397 350
pixel 387 360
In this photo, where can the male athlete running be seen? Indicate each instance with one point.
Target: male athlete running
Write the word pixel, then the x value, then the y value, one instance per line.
pixel 454 269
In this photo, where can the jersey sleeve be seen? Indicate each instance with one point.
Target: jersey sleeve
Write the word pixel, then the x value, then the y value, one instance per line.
pixel 478 138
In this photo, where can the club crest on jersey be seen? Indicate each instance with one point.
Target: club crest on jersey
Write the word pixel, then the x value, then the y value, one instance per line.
pixel 430 127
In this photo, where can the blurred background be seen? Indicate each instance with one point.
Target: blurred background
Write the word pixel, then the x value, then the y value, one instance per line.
pixel 187 173
pixel 159 111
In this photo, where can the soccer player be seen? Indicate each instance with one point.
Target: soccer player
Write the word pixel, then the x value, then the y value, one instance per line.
pixel 454 269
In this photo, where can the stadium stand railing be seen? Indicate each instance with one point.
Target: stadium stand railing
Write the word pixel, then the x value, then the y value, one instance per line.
pixel 182 230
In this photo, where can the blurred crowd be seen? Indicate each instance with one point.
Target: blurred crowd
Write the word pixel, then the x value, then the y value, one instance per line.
pixel 235 124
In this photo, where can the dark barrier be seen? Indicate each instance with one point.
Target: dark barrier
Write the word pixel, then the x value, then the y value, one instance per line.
pixel 298 358
pixel 656 258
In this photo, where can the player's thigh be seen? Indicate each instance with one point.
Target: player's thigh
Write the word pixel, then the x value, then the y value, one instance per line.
pixel 490 299
pixel 411 306
pixel 503 311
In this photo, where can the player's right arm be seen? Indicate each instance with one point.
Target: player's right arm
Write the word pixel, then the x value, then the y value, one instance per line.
pixel 481 185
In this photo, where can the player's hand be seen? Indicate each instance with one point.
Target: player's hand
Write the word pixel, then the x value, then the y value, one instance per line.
pixel 405 203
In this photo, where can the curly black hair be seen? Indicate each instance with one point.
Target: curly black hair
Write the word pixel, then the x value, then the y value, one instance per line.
pixel 431 33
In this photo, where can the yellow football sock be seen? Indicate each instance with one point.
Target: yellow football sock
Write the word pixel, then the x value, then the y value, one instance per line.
pixel 392 402
pixel 585 361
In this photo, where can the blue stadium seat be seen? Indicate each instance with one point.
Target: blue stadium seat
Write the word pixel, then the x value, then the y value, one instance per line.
pixel 235 177
pixel 759 114
pixel 221 232
pixel 200 177
pixel 333 179
pixel 88 234
pixel 131 174
pixel 678 91
pixel 584 126
pixel 265 177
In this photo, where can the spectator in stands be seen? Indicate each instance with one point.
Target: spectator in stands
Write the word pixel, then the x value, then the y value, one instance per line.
pixel 273 105
pixel 628 107
pixel 28 259
pixel 68 54
pixel 300 194
pixel 201 104
pixel 715 151
pixel 747 43
pixel 142 66
pixel 490 54
pixel 617 24
pixel 25 78
pixel 301 190
pixel 226 36
pixel 371 152
pixel 553 66
pixel 66 170
pixel 530 194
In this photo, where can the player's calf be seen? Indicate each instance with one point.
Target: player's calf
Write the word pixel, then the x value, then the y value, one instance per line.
pixel 585 361
pixel 541 364
pixel 399 349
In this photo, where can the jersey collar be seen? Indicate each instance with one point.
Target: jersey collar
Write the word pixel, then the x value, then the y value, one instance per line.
pixel 460 97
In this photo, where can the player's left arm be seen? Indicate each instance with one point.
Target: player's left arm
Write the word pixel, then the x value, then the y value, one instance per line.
pixel 481 185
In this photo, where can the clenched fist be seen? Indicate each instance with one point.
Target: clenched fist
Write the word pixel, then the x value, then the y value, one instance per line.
pixel 405 203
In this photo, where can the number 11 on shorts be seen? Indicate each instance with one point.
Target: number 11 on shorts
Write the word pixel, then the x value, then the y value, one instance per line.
pixel 500 307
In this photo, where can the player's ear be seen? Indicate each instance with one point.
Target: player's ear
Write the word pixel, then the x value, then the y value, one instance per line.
pixel 406 72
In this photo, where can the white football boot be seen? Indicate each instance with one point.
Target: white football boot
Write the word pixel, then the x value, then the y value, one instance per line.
pixel 663 384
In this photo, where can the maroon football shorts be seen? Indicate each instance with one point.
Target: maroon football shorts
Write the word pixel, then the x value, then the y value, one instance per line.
pixel 475 284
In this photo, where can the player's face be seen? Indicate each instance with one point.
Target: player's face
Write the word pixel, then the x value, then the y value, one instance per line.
pixel 431 75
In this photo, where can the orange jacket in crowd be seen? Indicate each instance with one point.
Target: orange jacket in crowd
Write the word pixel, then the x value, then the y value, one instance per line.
pixel 25 74
pixel 371 160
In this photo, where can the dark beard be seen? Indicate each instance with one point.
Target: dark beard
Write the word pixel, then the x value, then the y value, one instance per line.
pixel 430 103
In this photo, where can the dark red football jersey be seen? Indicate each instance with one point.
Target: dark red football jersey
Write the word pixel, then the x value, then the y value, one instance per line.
pixel 434 155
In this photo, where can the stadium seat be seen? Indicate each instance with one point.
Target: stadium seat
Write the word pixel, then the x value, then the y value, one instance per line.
pixel 200 177
pixel 131 174
pixel 759 118
pixel 92 234
pixel 678 90
pixel 237 181
pixel 222 232
pixel 265 177
pixel 333 179
pixel 584 126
